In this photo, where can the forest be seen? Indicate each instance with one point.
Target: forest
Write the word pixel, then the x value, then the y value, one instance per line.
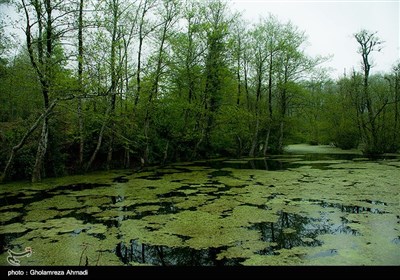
pixel 101 85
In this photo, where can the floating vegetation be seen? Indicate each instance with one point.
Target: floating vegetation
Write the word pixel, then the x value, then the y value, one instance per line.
pixel 335 208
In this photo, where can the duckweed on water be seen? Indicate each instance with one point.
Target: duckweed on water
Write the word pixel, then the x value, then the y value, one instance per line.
pixel 8 216
pixel 345 213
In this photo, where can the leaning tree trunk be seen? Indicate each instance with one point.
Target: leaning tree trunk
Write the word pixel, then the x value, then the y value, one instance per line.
pixel 99 141
pixel 266 144
pixel 21 143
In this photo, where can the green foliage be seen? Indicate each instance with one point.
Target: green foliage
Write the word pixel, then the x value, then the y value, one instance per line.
pixel 209 86
pixel 346 137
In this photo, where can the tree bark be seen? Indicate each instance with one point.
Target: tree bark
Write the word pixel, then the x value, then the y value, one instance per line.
pixel 80 81
pixel 114 80
pixel 41 152
pixel 99 141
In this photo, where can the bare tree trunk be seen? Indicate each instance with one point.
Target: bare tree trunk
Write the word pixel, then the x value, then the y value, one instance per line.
pixel 80 72
pixel 197 146
pixel 146 7
pixel 281 134
pixel 42 63
pixel 165 153
pixel 255 139
pixel 266 143
pixel 396 110
pixel 258 98
pixel 41 152
pixel 127 161
pixel 146 136
pixel 110 147
pixel 114 79
pixel 99 141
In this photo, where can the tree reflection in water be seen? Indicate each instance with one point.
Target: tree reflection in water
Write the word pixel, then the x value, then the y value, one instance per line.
pixel 291 230
pixel 169 256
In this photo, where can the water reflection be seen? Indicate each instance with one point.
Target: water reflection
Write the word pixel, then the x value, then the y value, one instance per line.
pixel 287 161
pixel 291 230
pixel 137 252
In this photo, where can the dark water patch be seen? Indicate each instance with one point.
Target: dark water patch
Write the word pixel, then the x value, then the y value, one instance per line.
pixel 21 197
pixel 137 252
pixel 100 236
pixel 80 216
pixel 260 164
pixel 77 187
pixel 273 195
pixel 10 199
pixel 381 157
pixel 167 207
pixel 181 170
pixel 187 187
pixel 212 183
pixel 120 179
pixel 158 174
pixel 6 239
pixel 294 230
pixel 172 194
pixel 220 173
pixel 263 207
pixel 117 198
pixel 151 177
pixel 18 219
pixel 278 163
pixel 289 231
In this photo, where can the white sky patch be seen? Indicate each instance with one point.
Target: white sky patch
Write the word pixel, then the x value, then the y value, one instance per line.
pixel 330 26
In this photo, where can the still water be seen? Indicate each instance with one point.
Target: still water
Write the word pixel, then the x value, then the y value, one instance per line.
pixel 309 206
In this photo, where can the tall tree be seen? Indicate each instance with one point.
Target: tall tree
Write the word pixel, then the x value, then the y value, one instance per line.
pixel 368 43
pixel 169 15
pixel 111 26
pixel 275 43
pixel 259 62
pixel 41 59
pixel 144 30
pixel 80 84
pixel 294 65
pixel 216 33
pixel 394 81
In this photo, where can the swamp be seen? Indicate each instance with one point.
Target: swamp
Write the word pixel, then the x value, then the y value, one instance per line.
pixel 309 206
pixel 199 133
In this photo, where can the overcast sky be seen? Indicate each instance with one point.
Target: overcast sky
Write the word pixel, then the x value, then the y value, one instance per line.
pixel 331 24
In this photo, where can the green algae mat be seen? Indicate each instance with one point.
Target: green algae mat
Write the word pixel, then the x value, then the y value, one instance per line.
pixel 300 208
